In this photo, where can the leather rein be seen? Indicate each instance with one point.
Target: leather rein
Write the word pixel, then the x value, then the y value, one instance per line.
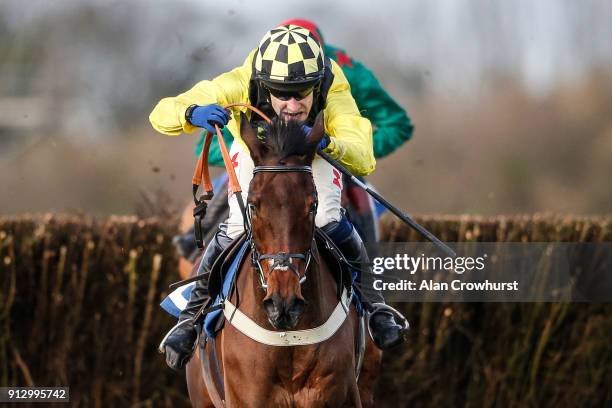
pixel 201 176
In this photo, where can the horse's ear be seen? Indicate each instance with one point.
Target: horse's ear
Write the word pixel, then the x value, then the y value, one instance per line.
pixel 318 130
pixel 248 135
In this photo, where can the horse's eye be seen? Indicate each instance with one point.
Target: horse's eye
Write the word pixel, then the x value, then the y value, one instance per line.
pixel 313 207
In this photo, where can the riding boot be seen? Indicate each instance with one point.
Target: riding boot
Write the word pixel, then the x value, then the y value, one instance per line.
pixel 386 332
pixel 179 343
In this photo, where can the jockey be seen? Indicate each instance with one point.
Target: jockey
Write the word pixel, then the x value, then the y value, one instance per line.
pixel 288 76
pixel 391 128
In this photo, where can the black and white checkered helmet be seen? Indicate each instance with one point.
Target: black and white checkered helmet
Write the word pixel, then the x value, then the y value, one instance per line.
pixel 289 56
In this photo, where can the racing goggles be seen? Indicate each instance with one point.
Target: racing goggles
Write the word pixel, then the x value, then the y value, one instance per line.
pixel 298 95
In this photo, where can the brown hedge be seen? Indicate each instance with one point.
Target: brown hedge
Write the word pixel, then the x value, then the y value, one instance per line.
pixel 78 308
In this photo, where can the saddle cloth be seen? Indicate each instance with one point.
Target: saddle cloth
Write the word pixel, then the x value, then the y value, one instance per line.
pixel 176 301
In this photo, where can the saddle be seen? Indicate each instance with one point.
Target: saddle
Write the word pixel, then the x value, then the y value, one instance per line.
pixel 221 266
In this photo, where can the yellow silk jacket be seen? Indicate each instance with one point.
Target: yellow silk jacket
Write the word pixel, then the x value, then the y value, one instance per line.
pixel 350 133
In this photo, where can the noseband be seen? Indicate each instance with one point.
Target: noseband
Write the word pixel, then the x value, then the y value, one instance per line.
pixel 280 260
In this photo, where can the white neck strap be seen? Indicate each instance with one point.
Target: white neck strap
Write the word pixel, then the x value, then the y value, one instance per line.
pixel 288 338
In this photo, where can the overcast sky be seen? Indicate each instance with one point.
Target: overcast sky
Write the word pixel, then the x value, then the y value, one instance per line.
pixel 453 41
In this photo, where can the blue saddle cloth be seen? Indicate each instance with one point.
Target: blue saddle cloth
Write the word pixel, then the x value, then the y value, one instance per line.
pixel 210 320
pixel 176 301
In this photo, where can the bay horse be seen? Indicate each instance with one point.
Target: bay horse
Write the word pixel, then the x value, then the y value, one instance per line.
pixel 293 289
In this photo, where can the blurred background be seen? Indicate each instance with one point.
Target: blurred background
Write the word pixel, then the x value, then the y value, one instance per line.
pixel 512 100
pixel 512 103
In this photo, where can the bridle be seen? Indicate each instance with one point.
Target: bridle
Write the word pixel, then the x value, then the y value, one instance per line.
pixel 279 260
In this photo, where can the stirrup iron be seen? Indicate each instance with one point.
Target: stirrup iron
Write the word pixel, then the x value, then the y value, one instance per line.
pixel 400 318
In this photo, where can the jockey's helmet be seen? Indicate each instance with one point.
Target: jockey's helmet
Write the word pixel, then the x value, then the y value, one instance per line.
pixel 289 58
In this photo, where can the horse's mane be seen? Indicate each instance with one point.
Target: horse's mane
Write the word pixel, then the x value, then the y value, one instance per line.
pixel 287 138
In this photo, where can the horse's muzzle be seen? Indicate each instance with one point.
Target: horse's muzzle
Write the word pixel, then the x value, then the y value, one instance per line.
pixel 284 314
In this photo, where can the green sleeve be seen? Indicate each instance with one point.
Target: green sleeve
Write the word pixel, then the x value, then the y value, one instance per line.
pixel 214 154
pixel 390 123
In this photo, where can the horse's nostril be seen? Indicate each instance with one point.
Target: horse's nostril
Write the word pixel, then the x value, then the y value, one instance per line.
pixel 271 306
pixel 279 308
pixel 296 307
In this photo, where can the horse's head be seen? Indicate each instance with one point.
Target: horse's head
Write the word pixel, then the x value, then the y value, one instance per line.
pixel 281 210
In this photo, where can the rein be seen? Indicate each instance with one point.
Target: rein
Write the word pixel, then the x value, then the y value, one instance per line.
pixel 201 176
